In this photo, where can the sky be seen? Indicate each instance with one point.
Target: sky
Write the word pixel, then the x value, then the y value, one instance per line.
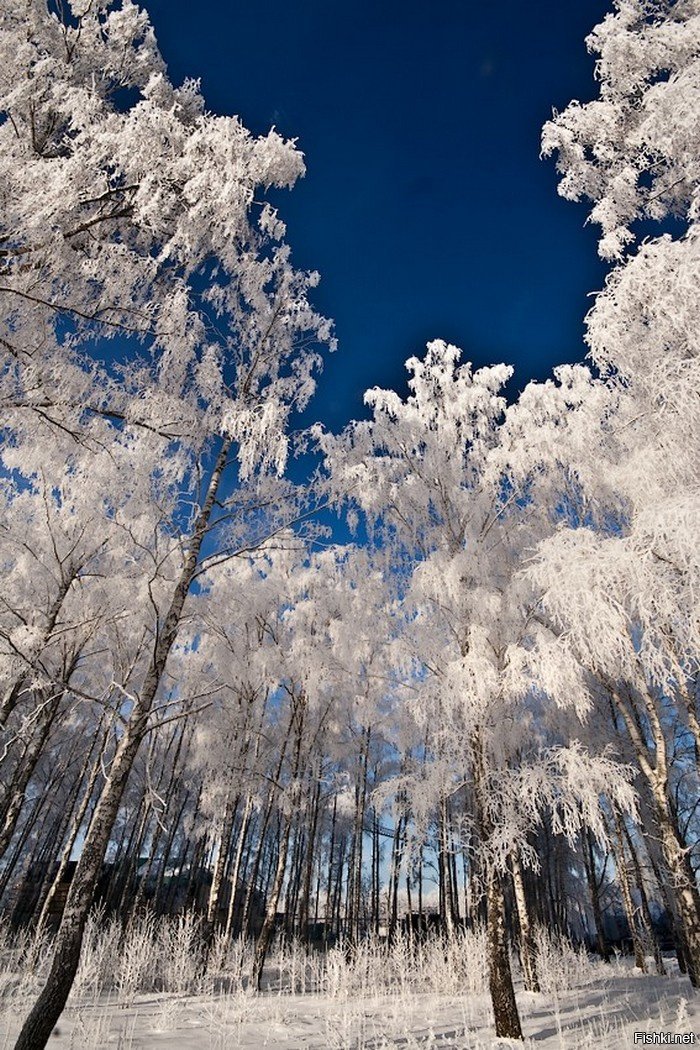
pixel 426 207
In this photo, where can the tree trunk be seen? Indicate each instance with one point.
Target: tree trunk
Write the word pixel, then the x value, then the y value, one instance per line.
pixel 448 883
pixel 396 859
pixel 669 904
pixel 528 951
pixel 305 906
pixel 454 889
pixel 644 903
pixel 628 903
pixel 268 926
pixel 594 890
pixel 10 697
pixel 18 848
pixel 503 1001
pixel 32 753
pixel 338 887
pixel 217 881
pixel 295 869
pixel 505 1008
pixel 235 875
pixel 354 891
pixel 375 870
pixel 420 891
pixel 685 893
pixel 654 765
pixel 329 909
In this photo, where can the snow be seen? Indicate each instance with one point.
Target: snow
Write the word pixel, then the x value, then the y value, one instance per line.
pixel 603 1011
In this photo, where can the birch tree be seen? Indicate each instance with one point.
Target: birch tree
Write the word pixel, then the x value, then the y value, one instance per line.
pixel 143 203
pixel 633 153
pixel 430 475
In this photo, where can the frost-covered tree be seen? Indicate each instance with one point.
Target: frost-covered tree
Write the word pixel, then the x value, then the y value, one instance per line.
pixel 75 584
pixel 129 210
pixel 623 593
pixel 430 474
pixel 633 152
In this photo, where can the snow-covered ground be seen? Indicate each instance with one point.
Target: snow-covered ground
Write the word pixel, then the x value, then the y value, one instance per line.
pixel 602 1011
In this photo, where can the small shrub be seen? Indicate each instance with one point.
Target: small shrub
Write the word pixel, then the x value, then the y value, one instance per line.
pixel 560 965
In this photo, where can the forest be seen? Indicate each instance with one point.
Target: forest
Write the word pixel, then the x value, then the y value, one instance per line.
pixel 445 687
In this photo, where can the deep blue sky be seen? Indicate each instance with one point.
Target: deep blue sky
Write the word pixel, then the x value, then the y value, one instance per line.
pixel 426 207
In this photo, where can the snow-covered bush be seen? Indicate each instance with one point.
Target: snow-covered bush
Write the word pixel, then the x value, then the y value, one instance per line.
pixel 562 965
